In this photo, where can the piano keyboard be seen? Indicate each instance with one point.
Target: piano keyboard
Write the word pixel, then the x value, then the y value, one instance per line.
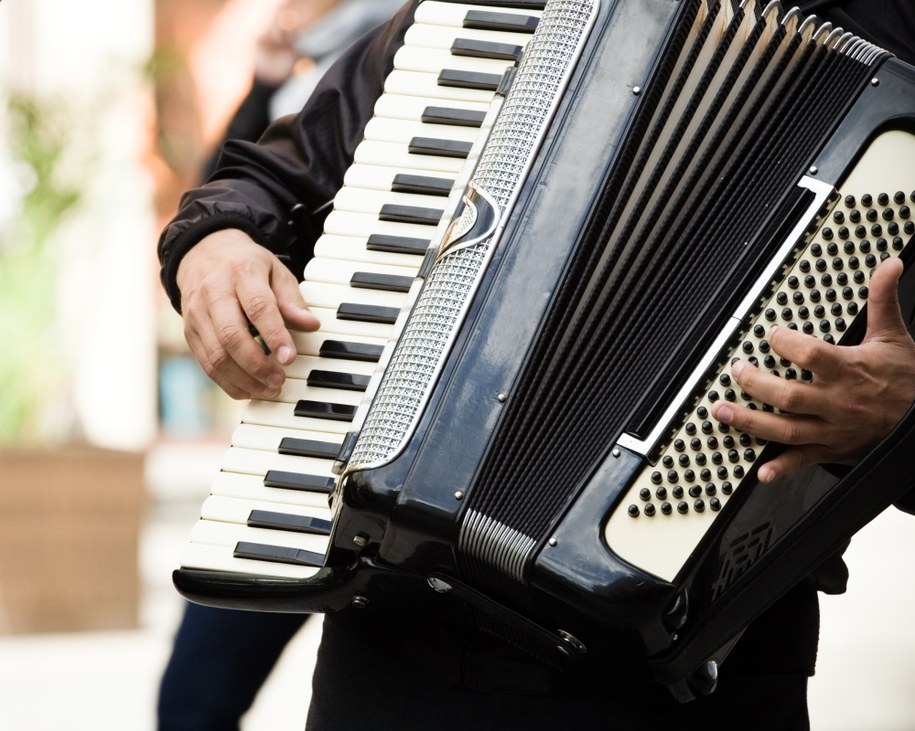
pixel 267 513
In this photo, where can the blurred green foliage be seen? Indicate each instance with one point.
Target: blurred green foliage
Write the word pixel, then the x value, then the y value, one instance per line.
pixel 43 190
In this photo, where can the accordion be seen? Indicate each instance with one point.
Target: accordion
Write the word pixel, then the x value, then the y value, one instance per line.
pixel 533 439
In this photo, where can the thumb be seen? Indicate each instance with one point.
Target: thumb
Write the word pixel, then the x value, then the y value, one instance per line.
pixel 884 316
pixel 291 304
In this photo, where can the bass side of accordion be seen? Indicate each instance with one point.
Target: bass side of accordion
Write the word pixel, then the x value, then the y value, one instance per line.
pixel 546 456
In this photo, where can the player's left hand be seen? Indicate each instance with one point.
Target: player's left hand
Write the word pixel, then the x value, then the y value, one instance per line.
pixel 857 395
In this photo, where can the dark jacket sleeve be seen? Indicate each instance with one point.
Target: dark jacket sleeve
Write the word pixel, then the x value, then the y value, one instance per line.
pixel 248 123
pixel 298 165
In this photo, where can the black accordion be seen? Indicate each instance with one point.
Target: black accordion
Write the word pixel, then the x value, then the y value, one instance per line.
pixel 635 192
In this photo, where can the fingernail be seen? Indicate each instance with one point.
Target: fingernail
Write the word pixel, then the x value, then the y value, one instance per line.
pixel 285 354
pixel 723 413
pixel 765 474
pixel 275 380
pixel 737 368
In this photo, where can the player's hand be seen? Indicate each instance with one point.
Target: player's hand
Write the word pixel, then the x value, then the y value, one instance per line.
pixel 229 283
pixel 857 395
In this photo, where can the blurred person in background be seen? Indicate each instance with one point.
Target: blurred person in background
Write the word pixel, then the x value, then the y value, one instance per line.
pixel 304 38
pixel 221 658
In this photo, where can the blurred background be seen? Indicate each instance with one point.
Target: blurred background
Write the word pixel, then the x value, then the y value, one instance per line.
pixel 109 432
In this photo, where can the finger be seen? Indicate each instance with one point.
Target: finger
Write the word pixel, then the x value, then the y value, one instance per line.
pixel 772 427
pixel 788 461
pixel 231 345
pixel 260 306
pixel 222 369
pixel 805 351
pixel 295 314
pixel 884 316
pixel 789 395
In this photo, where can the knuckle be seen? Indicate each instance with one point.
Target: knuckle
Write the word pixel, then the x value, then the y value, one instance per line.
pixel 217 363
pixel 791 433
pixel 791 398
pixel 259 306
pixel 231 337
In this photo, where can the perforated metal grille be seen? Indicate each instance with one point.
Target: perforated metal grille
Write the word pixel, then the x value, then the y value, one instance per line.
pixel 438 311
pixel 820 295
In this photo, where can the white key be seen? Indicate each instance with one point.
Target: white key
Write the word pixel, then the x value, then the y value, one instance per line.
pixel 234 510
pixel 341 271
pixel 433 60
pixel 310 343
pixel 361 200
pixel 251 487
pixel 354 249
pixel 363 225
pixel 380 178
pixel 280 414
pixel 227 534
pixel 442 13
pixel 329 296
pixel 391 129
pixel 268 438
pixel 418 83
pixel 302 366
pixel 443 36
pixel 412 107
pixel 348 329
pixel 297 389
pixel 220 558
pixel 371 152
pixel 259 462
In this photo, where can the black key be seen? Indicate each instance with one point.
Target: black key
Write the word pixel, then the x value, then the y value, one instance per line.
pixel 410 214
pixel 325 410
pixel 308 448
pixel 488 20
pixel 365 352
pixel 397 244
pixel 278 554
pixel 299 481
pixel 357 312
pixel 441 146
pixel 384 282
pixel 458 79
pixel 422 184
pixel 289 522
pixel 457 117
pixel 334 379
pixel 436 146
pixel 486 49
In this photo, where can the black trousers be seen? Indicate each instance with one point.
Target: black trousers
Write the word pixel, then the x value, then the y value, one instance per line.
pixel 375 673
pixel 220 659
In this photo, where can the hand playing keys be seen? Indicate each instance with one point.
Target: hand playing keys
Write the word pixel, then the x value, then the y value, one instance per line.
pixel 857 395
